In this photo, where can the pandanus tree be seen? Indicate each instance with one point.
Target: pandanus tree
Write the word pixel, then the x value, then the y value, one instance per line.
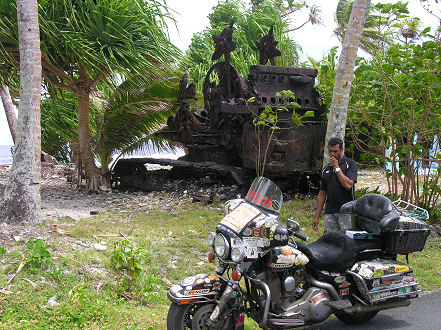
pixel 86 43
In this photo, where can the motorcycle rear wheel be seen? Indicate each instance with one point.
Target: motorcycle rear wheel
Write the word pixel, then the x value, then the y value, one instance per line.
pixel 356 318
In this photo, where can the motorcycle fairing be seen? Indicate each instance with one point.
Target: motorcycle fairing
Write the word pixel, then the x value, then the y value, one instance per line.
pixel 196 288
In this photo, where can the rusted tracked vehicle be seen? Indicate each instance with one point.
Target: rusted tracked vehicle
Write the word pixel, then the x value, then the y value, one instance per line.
pixel 223 132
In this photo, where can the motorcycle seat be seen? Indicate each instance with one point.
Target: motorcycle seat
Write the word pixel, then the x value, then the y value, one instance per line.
pixel 335 251
pixel 374 213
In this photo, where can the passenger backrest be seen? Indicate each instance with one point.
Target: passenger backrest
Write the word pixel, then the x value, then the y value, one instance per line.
pixel 375 213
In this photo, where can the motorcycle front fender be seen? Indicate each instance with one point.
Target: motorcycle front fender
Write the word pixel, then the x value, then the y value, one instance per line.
pixel 195 289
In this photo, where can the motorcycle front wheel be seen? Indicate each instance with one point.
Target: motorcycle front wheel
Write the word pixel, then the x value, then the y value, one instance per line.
pixel 356 318
pixel 181 317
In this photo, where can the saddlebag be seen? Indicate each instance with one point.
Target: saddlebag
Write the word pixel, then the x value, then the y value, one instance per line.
pixel 380 279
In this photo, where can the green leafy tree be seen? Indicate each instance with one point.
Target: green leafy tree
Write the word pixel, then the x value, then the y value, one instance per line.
pixel 395 108
pixel 251 23
pixel 85 43
pixel 384 24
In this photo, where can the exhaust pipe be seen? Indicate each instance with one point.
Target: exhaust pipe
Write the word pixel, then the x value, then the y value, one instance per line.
pixel 358 308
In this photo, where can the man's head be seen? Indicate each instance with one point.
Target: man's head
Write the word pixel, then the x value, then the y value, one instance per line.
pixel 335 148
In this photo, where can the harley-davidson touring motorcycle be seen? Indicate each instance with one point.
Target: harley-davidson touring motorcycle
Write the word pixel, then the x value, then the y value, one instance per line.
pixel 265 274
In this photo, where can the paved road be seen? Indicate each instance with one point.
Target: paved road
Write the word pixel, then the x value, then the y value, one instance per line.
pixel 423 313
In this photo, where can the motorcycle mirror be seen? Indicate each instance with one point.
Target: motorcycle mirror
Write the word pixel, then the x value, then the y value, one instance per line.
pixel 292 225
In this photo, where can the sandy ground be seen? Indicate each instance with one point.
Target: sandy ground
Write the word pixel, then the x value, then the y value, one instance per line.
pixel 60 198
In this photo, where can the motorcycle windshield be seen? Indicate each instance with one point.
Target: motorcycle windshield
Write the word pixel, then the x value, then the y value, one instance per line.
pixel 265 193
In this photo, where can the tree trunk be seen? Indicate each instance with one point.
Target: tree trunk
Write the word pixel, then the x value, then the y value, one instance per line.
pixel 93 177
pixel 9 110
pixel 22 201
pixel 345 70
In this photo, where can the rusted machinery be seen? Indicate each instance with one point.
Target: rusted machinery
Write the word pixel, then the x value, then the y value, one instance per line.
pixel 224 133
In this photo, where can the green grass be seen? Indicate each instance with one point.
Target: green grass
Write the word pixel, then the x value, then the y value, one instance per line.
pixel 90 291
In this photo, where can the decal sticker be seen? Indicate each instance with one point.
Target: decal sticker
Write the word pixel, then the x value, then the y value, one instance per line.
pixel 344 292
pixel 401 269
pixel 275 205
pixel 246 231
pixel 378 272
pixel 280 237
pixel 207 280
pixel 281 265
pixel 256 232
pixel 259 199
pixel 239 217
pixel 264 231
pixel 240 320
pixel 287 250
pixel 255 242
pixel 260 222
pixel 365 271
pixel 196 292
pixel 236 242
pixel 282 259
pixel 216 286
pixel 188 281
pixel 272 231
pixel 318 298
pixel 340 279
pixel 344 285
pixel 252 252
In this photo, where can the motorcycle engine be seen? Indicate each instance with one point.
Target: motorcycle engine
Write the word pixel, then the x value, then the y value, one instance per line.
pixel 290 301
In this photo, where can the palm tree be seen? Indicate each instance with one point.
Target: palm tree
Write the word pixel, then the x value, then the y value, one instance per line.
pixel 127 119
pixel 380 26
pixel 9 110
pixel 85 43
pixel 345 70
pixel 22 200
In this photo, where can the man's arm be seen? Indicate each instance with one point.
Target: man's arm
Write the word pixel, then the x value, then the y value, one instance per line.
pixel 344 180
pixel 320 202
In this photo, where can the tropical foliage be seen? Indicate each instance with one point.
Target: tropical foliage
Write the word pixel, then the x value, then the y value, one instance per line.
pixel 377 33
pixel 86 43
pixel 251 23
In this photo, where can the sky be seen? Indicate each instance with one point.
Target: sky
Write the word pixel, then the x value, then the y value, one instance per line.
pixel 191 17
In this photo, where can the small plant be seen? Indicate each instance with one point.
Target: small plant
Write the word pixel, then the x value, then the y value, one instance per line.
pixel 268 120
pixel 127 260
pixel 37 253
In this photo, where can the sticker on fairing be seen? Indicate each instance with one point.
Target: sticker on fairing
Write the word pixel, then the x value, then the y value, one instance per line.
pixel 252 253
pixel 255 241
pixel 240 216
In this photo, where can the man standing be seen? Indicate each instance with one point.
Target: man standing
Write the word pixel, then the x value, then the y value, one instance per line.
pixel 336 188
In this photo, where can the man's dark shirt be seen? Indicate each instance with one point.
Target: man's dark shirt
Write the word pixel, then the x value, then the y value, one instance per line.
pixel 336 194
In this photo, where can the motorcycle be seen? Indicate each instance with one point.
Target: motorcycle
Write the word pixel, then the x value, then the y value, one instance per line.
pixel 280 282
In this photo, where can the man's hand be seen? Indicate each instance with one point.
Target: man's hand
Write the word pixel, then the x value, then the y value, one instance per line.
pixel 315 224
pixel 333 161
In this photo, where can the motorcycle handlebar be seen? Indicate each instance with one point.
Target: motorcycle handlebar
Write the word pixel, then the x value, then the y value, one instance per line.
pixel 301 236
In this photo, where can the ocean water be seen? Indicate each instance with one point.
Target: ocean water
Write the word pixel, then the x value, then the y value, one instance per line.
pixel 5 155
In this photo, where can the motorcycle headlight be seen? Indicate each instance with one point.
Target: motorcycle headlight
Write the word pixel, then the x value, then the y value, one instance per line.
pixel 221 246
pixel 210 238
pixel 237 254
